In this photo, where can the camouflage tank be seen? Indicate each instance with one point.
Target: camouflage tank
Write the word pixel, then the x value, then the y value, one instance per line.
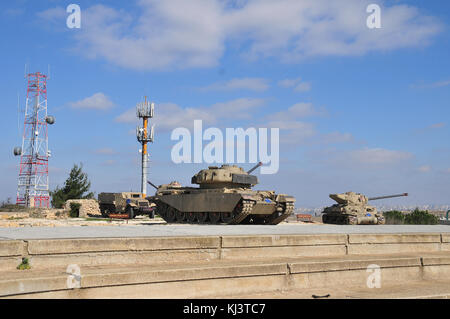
pixel 353 209
pixel 224 196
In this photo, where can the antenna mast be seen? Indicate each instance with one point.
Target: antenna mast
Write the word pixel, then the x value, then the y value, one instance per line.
pixel 32 187
pixel 144 111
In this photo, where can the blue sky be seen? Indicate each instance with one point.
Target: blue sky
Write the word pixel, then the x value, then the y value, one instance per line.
pixel 358 109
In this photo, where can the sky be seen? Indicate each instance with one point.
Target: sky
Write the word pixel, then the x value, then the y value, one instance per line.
pixel 358 109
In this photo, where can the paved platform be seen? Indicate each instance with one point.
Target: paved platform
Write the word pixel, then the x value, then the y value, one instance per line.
pixel 169 230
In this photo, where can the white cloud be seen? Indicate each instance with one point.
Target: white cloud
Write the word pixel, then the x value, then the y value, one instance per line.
pixel 337 137
pixel 298 110
pixel 109 162
pixel 378 156
pixel 182 34
pixel 128 116
pixel 53 14
pixel 105 151
pixel 287 83
pixel 166 34
pixel 292 129
pixel 433 85
pixel 169 115
pixel 303 87
pixel 242 108
pixel 253 84
pixel 437 125
pixel 430 128
pixel 14 12
pixel 98 101
pixel 297 84
pixel 424 168
pixel 293 132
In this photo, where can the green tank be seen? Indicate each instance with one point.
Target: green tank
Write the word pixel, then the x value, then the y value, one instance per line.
pixel 224 196
pixel 353 209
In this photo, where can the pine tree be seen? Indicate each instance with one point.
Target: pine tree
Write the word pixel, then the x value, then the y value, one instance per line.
pixel 76 186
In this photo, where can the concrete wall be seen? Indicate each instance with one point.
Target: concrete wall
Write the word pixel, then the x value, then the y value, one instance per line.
pixel 193 267
pixel 161 250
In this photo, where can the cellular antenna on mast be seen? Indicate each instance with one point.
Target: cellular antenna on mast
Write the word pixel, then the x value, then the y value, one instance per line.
pixel 144 111
pixel 32 187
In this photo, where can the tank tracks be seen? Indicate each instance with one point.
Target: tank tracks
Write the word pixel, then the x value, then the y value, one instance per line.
pixel 278 217
pixel 244 209
pixel 345 220
pixel 240 214
pixel 339 219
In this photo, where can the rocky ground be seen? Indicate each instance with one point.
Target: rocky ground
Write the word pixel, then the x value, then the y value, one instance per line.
pixel 60 217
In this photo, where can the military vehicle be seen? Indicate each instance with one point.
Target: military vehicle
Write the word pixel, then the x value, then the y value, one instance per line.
pixel 353 209
pixel 129 203
pixel 225 196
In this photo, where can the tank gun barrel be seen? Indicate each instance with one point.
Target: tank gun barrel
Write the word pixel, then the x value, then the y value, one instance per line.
pixel 254 167
pixel 150 183
pixel 388 196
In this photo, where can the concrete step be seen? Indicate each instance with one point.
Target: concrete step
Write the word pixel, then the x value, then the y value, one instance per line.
pixel 222 277
pixel 424 289
pixel 50 253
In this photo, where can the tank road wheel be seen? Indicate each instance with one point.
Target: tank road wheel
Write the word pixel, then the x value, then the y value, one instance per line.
pixel 191 217
pixel 180 216
pixel 227 217
pixel 202 217
pixel 214 218
pixel 170 215
pixel 352 220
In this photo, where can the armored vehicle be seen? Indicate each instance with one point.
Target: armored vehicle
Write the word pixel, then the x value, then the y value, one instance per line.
pixel 352 208
pixel 128 203
pixel 225 196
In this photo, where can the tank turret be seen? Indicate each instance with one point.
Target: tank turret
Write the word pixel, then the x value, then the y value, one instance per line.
pixel 226 176
pixel 349 198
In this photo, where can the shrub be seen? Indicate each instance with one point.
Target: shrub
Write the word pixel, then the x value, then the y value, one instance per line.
pixel 24 265
pixel 394 217
pixel 420 217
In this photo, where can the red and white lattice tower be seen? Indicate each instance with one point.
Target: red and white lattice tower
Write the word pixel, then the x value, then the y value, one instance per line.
pixel 32 188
